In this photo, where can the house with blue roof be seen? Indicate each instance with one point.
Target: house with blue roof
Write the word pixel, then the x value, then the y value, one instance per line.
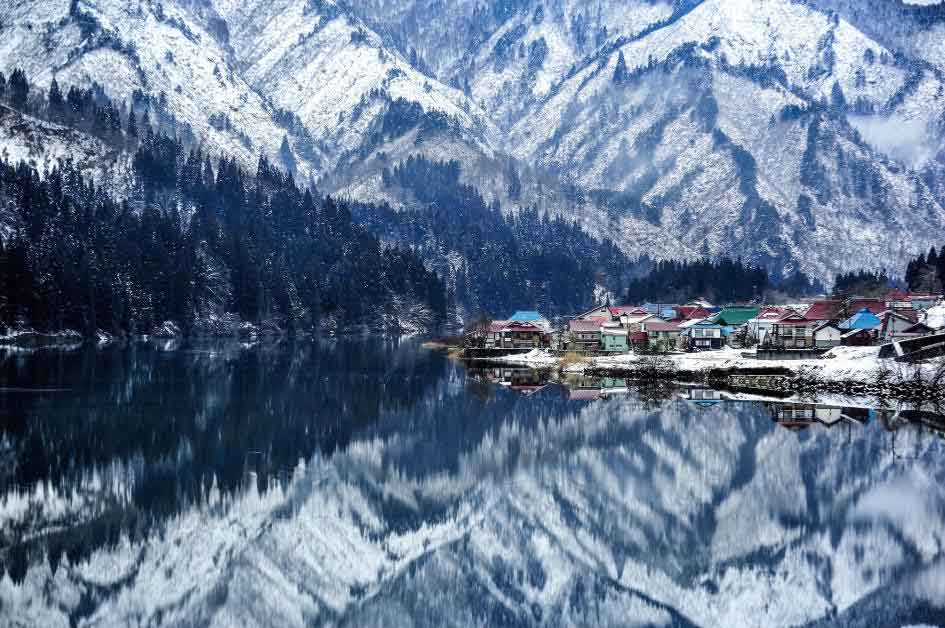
pixel 530 317
pixel 864 319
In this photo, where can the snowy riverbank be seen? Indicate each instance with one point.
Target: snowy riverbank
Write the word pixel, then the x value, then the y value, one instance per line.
pixel 840 365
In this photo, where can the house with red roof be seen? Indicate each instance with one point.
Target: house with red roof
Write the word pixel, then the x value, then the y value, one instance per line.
pixel 825 310
pixel 874 306
pixel 692 312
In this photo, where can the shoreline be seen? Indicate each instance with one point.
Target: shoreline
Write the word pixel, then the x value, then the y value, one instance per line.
pixel 843 370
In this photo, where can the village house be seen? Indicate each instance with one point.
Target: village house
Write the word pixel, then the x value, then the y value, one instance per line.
pixel 598 313
pixel 735 316
pixel 532 318
pixel 761 326
pixel 515 335
pixel 494 336
pixel 824 310
pixel 859 338
pixel 924 301
pixel 895 323
pixel 584 335
pixel 863 319
pixel 665 333
pixel 793 331
pixel 704 335
pixel 615 339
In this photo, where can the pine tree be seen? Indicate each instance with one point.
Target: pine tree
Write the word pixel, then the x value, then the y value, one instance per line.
pixel 286 155
pixel 55 101
pixel 621 74
pixel 19 88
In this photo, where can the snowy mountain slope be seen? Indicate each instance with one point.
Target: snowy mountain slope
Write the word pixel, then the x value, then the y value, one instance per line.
pixel 614 510
pixel 743 127
pixel 163 50
pixel 718 150
pixel 323 64
pixel 43 145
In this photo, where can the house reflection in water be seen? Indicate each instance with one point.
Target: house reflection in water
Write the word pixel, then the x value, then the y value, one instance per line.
pixel 799 416
pixel 590 388
pixel 703 397
pixel 526 382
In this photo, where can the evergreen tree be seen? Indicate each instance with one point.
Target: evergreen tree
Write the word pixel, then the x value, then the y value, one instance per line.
pixel 19 89
pixel 55 101
pixel 621 74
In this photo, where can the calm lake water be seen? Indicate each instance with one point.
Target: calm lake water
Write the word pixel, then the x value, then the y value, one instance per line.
pixel 364 485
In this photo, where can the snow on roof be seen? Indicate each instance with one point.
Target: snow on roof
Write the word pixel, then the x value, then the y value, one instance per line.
pixel 935 317
pixel 614 331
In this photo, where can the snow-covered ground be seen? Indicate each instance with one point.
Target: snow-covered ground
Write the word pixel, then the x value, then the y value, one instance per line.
pixel 853 364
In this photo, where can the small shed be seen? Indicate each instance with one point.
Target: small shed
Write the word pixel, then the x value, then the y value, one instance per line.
pixel 858 338
pixel 826 335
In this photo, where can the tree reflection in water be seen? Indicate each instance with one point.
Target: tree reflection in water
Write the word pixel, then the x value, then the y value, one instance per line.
pixel 358 484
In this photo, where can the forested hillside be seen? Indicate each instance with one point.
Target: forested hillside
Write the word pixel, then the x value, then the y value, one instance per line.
pixel 197 242
pixel 498 262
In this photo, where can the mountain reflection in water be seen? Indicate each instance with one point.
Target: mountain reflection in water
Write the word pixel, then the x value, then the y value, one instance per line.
pixel 366 484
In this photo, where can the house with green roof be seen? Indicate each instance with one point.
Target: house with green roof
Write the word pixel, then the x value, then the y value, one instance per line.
pixel 736 315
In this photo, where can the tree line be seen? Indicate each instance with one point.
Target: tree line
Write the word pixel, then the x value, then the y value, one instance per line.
pixel 201 243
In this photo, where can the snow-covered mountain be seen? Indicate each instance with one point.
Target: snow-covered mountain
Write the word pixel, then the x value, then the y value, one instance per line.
pixel 802 135
pixel 560 514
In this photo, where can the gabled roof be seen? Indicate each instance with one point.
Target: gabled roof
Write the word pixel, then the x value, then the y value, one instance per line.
pixel 526 316
pixel 613 331
pixel 770 314
pixel 497 326
pixel 736 315
pixel 826 310
pixel 896 295
pixel 824 325
pixel 659 325
pixel 907 315
pixel 584 326
pixel 690 312
pixel 876 306
pixel 619 310
pixel 918 328
pixel 691 323
pixel 516 326
pixel 855 332
pixel 864 319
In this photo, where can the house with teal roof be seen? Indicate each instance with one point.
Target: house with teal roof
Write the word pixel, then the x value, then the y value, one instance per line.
pixel 531 317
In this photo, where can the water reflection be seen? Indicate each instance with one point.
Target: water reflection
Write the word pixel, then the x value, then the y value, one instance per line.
pixel 391 487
